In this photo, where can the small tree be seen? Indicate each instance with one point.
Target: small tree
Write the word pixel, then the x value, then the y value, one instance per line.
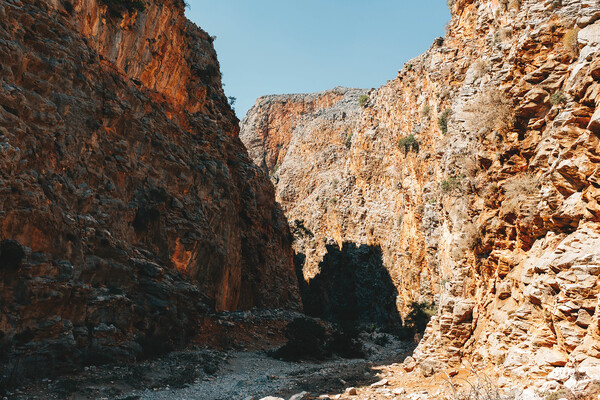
pixel 232 101
pixel 408 143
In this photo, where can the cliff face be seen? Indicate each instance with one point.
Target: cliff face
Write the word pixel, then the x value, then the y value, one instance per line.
pixel 476 173
pixel 128 205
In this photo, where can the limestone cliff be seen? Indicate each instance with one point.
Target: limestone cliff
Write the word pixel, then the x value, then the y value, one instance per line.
pixel 476 173
pixel 128 205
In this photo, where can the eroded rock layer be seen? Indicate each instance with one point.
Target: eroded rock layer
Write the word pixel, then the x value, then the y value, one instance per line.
pixel 128 205
pixel 475 172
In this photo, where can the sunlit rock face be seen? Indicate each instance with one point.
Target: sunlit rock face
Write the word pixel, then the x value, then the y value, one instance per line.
pixel 128 205
pixel 475 172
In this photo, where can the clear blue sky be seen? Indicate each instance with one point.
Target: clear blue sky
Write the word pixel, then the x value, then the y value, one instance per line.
pixel 301 46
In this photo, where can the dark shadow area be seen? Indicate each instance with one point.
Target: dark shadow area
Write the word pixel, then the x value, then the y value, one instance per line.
pixel 310 339
pixel 353 289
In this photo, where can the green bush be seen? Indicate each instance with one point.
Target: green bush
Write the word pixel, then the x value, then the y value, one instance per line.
pixel 408 143
pixel 443 121
pixel 425 111
pixel 363 100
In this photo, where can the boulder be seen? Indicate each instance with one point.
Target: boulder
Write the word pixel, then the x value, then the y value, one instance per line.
pixel 552 357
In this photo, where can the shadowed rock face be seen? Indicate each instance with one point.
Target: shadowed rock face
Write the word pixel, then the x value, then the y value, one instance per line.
pixel 128 205
pixel 353 288
pixel 494 213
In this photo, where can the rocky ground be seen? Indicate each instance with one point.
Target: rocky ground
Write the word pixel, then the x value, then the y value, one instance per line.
pixel 243 368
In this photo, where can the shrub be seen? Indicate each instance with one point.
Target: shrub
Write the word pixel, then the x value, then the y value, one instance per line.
pixel 480 68
pixel 363 100
pixel 348 142
pixel 480 388
pixel 451 183
pixel 570 41
pixel 491 111
pixel 558 97
pixel 443 121
pixel 520 191
pixel 408 143
pixel 408 66
pixel 425 111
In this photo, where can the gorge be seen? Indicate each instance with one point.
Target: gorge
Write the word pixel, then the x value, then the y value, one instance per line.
pixel 137 218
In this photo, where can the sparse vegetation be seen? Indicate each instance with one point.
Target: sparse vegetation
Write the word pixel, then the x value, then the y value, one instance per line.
pixel 519 192
pixel 558 98
pixel 425 110
pixel 452 183
pixel 408 66
pixel 491 111
pixel 348 142
pixel 479 68
pixel 362 101
pixel 408 143
pixel 570 41
pixel 479 388
pixel 232 101
pixel 443 121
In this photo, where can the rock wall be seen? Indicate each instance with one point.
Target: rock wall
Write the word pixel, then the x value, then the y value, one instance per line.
pixel 475 171
pixel 128 205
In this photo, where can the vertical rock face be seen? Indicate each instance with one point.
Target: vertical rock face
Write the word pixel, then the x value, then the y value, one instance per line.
pixel 475 172
pixel 128 205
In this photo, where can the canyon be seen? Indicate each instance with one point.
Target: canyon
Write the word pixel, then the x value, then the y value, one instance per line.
pixel 137 217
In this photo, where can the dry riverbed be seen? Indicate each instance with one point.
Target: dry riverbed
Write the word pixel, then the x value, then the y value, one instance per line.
pixel 237 368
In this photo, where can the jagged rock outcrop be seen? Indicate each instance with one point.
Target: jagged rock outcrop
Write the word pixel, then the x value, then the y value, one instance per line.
pixel 128 205
pixel 475 171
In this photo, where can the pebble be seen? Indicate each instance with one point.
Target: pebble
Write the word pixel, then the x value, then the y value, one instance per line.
pixel 383 382
pixel 301 396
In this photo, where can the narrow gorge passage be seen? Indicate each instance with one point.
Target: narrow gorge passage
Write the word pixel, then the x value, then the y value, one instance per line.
pixel 153 246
